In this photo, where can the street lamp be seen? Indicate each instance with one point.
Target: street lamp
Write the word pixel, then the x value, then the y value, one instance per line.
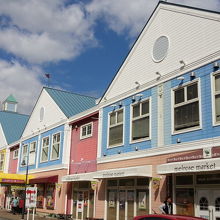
pixel 25 187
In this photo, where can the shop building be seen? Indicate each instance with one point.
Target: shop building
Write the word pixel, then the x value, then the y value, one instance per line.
pixel 81 194
pixel 11 127
pixel 162 102
pixel 45 146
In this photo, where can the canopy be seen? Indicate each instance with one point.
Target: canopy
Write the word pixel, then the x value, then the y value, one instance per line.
pixel 13 178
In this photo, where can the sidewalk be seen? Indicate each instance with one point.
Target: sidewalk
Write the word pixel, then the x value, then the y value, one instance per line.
pixel 8 215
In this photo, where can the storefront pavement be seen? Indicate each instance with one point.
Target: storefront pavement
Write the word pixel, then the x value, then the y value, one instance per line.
pixel 6 215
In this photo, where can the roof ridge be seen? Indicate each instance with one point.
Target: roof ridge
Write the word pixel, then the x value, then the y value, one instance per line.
pixel 74 93
pixel 187 6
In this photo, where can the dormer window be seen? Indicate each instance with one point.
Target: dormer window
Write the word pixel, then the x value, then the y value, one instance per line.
pixel 10 104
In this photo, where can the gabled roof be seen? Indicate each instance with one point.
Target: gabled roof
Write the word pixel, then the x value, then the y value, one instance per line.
pixel 13 125
pixel 147 24
pixel 10 98
pixel 71 103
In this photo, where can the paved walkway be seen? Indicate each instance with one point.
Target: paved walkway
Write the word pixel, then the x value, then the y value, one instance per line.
pixel 8 215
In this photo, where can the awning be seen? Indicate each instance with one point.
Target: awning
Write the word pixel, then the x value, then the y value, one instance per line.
pixel 13 178
pixel 143 171
pixel 79 177
pixel 204 165
pixel 49 179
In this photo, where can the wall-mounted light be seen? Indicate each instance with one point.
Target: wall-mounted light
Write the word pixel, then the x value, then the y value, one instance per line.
pixel 137 84
pixel 183 64
pixel 158 75
pixel 181 78
pixel 119 152
pixel 137 96
pixel 215 65
pixel 133 98
pixel 136 148
pixel 192 75
pixel 76 127
pixel 178 140
pixel 114 106
pixel 120 104
pixel 104 154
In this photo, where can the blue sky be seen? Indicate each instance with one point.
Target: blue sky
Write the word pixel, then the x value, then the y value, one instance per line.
pixel 81 44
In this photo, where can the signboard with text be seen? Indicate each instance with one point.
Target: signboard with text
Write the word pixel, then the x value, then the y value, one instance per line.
pixel 31 197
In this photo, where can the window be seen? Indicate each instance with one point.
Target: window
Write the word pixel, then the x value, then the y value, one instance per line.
pixel 2 157
pixel 32 153
pixel 15 154
pixel 45 148
pixel 203 204
pixel 55 147
pixel 140 120
pixel 186 107
pixel 86 131
pixel 116 128
pixel 217 97
pixel 24 154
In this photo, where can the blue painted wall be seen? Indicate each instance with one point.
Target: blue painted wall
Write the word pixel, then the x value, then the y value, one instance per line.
pixel 128 147
pixel 39 146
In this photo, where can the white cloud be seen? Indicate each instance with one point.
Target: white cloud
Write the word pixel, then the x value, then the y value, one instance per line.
pixel 23 82
pixel 45 30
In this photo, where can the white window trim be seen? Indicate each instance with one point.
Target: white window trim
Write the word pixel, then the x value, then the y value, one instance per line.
pixel 81 128
pixel 32 151
pixel 51 147
pixel 199 127
pixel 214 122
pixel 22 154
pixel 121 144
pixel 2 161
pixel 15 157
pixel 131 117
pixel 43 161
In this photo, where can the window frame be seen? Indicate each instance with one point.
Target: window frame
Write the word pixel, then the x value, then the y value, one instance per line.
pixel 123 126
pixel 194 128
pixel 22 155
pixel 51 147
pixel 131 120
pixel 2 154
pixel 15 157
pixel 43 161
pixel 32 163
pixel 214 122
pixel 87 135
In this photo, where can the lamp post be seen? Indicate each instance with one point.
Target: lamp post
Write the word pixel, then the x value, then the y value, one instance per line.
pixel 25 186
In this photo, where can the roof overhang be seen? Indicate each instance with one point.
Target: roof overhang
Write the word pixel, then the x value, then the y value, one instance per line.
pixel 204 165
pixel 138 171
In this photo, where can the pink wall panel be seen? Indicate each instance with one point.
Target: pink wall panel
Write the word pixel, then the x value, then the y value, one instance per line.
pixel 84 151
pixel 12 162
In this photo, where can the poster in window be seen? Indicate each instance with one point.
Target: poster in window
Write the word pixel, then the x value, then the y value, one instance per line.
pixel 142 200
pixel 111 203
pixel 40 195
pixel 50 193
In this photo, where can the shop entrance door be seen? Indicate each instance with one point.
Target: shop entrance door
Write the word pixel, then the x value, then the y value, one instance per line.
pixel 208 204
pixel 85 205
pixel 120 204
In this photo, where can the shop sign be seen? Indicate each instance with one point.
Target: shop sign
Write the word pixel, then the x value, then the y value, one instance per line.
pixel 155 182
pixel 13 188
pixel 31 197
pixel 191 166
pixel 207 152
pixel 80 206
pixel 12 181
pixel 208 179
pixel 94 185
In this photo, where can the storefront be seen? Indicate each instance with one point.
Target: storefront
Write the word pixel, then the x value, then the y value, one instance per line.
pixel 82 204
pixel 127 191
pixel 196 184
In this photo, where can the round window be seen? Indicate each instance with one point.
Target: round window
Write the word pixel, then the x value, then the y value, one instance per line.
pixel 41 113
pixel 160 48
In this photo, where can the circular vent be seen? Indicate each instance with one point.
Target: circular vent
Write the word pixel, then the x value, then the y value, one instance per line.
pixel 160 48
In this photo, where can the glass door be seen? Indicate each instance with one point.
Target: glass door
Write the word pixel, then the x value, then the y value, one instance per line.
pixel 111 204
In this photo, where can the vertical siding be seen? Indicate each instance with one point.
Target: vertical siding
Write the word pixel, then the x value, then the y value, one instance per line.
pixel 154 118
pixel 12 162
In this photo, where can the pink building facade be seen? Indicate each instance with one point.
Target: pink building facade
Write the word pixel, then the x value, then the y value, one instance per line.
pixel 82 166
pixel 13 158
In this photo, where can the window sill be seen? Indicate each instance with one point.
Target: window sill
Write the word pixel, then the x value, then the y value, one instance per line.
pixel 187 130
pixel 82 138
pixel 44 161
pixel 114 146
pixel 54 159
pixel 139 140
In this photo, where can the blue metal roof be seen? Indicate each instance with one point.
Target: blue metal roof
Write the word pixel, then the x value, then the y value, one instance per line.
pixel 71 103
pixel 13 125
